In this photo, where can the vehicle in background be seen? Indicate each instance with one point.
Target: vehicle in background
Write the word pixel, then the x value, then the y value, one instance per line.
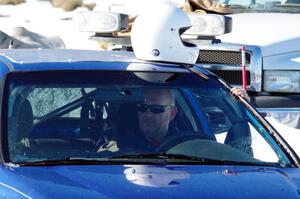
pixel 269 32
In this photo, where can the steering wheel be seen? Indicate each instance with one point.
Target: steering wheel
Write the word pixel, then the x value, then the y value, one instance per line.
pixel 177 139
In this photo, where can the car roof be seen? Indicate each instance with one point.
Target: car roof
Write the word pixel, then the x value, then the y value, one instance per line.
pixel 27 56
pixel 67 59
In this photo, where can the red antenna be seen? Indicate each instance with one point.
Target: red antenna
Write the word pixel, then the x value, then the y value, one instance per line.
pixel 243 50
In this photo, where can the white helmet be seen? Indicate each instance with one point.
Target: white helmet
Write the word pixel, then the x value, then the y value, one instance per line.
pixel 155 36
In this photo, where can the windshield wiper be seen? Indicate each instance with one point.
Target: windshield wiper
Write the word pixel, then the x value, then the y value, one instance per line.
pixel 64 161
pixel 185 159
pixel 161 158
pixel 89 161
pixel 161 155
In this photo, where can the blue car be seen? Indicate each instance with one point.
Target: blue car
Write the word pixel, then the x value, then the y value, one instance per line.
pixel 71 127
pixel 142 124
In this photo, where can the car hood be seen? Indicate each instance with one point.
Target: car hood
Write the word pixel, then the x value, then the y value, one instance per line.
pixel 103 181
pixel 275 33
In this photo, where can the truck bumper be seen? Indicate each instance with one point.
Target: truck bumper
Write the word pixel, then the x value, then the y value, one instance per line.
pixel 284 109
pixel 290 101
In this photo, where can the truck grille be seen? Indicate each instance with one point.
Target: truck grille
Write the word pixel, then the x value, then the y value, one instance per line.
pixel 222 57
pixel 232 77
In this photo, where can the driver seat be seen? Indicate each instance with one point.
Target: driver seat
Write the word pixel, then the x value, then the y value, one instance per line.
pixel 21 120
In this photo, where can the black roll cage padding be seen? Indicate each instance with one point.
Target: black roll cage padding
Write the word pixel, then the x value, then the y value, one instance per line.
pixel 87 110
pixel 99 106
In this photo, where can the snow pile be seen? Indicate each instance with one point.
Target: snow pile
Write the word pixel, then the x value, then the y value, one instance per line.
pixel 291 135
pixel 42 18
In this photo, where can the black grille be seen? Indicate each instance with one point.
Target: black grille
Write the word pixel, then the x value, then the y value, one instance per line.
pixel 232 77
pixel 222 57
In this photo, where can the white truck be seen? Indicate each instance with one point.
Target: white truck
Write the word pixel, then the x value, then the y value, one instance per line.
pixel 270 32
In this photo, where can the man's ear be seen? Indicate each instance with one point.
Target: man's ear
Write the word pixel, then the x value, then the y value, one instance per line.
pixel 173 112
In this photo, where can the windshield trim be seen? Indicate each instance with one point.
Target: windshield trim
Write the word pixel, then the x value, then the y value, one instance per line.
pixel 287 149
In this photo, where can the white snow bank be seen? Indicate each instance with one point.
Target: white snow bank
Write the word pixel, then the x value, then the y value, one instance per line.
pixel 42 18
pixel 291 135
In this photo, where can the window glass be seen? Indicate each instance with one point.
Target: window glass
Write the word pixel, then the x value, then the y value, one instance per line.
pixel 112 114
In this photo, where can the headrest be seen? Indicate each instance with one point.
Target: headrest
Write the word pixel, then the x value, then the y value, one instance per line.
pixel 22 118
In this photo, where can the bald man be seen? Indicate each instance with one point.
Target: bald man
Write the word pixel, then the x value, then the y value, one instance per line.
pixel 155 115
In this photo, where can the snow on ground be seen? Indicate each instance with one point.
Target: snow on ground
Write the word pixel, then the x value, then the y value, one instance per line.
pixel 291 135
pixel 41 17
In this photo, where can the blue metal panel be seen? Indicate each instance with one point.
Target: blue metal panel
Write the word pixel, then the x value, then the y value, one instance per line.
pixel 3 69
pixel 138 181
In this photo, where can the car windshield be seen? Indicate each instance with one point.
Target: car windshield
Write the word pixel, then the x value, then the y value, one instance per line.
pixel 132 117
pixel 283 6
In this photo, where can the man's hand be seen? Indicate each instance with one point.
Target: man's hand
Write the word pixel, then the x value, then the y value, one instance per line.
pixel 240 92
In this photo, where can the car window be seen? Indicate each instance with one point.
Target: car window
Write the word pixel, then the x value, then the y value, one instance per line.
pixel 233 125
pixel 45 100
pixel 113 114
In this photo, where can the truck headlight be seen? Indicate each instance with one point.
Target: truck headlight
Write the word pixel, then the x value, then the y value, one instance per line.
pixel 282 81
pixel 208 25
pixel 100 22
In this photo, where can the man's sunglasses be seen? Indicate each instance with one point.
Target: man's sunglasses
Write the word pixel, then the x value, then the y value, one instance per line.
pixel 156 109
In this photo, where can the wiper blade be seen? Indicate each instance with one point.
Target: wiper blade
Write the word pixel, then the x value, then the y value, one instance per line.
pixel 185 159
pixel 65 161
pixel 147 158
pixel 157 156
pixel 89 161
pixel 168 157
